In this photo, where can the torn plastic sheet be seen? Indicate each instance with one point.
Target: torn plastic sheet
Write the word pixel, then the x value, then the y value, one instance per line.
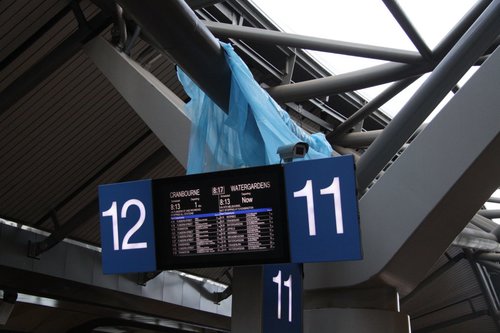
pixel 250 134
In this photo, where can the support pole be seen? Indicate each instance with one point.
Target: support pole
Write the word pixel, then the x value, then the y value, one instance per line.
pixel 311 43
pixel 369 108
pixel 441 168
pixel 409 29
pixel 341 83
pixel 490 213
pixel 175 29
pixel 494 200
pixel 463 55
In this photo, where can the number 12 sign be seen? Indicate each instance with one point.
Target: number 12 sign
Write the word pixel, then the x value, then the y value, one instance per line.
pixel 127 228
pixel 322 210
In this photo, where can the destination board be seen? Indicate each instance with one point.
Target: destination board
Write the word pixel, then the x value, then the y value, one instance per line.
pixel 233 217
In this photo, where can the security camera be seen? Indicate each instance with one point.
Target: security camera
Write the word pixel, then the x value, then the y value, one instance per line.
pixel 289 152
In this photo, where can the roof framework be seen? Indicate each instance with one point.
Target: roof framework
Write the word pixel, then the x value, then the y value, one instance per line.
pixel 57 110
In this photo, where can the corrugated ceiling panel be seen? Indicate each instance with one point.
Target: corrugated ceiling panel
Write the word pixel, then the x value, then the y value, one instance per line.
pixel 456 285
pixel 61 129
pixel 37 50
pixel 445 314
pixel 6 4
pixel 483 324
pixel 113 174
pixel 169 167
pixel 46 43
pixel 22 18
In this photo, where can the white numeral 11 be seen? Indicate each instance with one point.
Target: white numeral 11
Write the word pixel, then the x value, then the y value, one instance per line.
pixel 288 284
pixel 333 189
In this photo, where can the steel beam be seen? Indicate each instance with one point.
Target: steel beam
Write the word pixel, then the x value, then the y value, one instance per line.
pixel 341 83
pixel 445 45
pixel 490 213
pixel 441 168
pixel 311 43
pixel 486 288
pixel 160 108
pixel 491 265
pixel 358 139
pixel 479 234
pixel 468 241
pixel 370 107
pixel 494 200
pixel 409 29
pixel 429 95
pixel 174 27
pixel 488 256
pixel 483 223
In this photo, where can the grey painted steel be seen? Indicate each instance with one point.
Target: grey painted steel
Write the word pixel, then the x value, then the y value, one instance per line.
pixel 494 200
pixel 74 273
pixel 355 321
pixel 490 213
pixel 409 206
pixel 488 256
pixel 175 29
pixel 369 108
pixel 341 83
pixel 463 55
pixel 358 139
pixel 492 265
pixel 409 29
pixel 311 43
pixel 467 241
pixel 488 292
pixel 483 223
pixel 364 139
pixel 479 234
pixel 445 45
pixel 159 107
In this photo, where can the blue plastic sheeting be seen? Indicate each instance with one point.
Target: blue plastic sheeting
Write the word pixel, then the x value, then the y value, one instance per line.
pixel 251 132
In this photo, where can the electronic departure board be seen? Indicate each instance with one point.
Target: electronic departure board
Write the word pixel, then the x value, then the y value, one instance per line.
pixel 235 217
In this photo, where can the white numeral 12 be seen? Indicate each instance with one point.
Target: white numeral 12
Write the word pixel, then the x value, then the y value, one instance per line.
pixel 113 212
pixel 288 284
pixel 333 189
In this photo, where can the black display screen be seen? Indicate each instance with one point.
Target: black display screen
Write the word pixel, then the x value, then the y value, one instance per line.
pixel 227 218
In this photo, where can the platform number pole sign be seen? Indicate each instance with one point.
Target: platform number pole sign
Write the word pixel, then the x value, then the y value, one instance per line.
pixel 322 210
pixel 282 307
pixel 127 228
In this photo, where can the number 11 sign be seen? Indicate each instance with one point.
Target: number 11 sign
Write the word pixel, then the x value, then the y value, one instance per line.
pixel 282 303
pixel 322 210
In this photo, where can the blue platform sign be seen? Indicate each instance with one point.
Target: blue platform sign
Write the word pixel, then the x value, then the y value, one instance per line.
pixel 282 298
pixel 127 228
pixel 322 209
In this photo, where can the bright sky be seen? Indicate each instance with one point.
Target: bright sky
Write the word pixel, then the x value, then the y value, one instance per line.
pixel 370 22
pixel 367 22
